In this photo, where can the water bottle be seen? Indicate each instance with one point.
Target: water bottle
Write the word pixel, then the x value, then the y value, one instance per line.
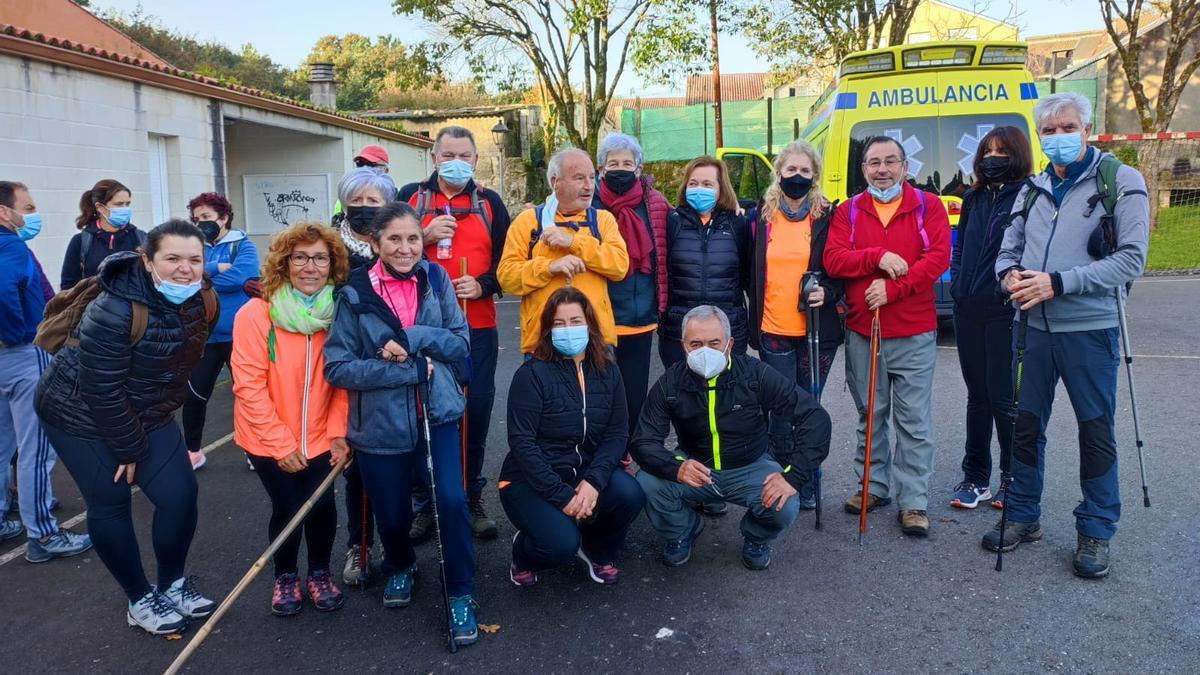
pixel 444 249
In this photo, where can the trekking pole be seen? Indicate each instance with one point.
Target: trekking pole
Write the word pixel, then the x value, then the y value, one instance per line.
pixel 813 329
pixel 1137 429
pixel 423 413
pixel 254 570
pixel 462 267
pixel 364 555
pixel 1006 457
pixel 866 480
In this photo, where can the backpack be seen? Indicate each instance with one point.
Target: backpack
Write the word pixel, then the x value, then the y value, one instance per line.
pixel 65 310
pixel 85 245
pixel 425 198
pixel 854 210
pixel 536 233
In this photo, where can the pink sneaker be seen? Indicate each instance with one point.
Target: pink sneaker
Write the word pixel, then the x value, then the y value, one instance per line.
pixel 606 574
pixel 522 578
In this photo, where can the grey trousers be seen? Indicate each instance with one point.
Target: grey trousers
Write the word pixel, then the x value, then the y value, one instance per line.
pixel 904 394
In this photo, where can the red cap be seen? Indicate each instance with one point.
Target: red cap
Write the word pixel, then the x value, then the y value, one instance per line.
pixel 373 154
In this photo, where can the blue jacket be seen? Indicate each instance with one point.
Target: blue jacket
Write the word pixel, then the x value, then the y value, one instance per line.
pixel 973 283
pixel 21 299
pixel 383 414
pixel 228 284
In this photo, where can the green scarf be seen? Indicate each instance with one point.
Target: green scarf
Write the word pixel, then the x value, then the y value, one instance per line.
pixel 290 311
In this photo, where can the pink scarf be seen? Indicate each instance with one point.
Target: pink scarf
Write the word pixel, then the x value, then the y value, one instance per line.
pixel 629 223
pixel 400 295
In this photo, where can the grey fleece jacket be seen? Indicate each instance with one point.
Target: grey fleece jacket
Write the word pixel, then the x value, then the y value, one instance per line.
pixel 1054 239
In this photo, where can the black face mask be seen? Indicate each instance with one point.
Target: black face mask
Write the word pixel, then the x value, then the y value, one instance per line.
pixel 995 169
pixel 360 218
pixel 620 181
pixel 210 229
pixel 795 186
pixel 397 274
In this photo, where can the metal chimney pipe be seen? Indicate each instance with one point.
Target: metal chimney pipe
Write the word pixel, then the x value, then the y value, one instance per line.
pixel 322 85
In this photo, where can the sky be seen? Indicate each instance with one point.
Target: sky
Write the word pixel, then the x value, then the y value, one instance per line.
pixel 285 30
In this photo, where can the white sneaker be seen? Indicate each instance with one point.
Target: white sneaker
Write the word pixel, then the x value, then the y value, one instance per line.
pixel 187 600
pixel 155 614
pixel 199 459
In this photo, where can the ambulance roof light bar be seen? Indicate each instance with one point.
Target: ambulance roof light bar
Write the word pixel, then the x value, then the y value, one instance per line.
pixel 936 57
pixel 872 63
pixel 997 55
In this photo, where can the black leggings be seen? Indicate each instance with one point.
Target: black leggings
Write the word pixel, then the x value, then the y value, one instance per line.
pixel 167 479
pixel 200 388
pixel 288 492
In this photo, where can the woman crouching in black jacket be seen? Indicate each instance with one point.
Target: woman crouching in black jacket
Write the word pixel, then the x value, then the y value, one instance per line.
pixel 107 403
pixel 561 484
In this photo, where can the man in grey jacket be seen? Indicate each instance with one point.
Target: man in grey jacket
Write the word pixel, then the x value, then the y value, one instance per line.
pixel 1063 261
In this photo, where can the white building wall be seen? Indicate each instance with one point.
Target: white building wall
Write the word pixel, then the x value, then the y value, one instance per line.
pixel 63 129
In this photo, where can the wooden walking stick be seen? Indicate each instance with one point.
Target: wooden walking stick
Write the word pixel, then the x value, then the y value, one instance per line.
pixel 866 480
pixel 254 570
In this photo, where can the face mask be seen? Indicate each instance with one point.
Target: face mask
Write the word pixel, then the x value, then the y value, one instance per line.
pixel 360 218
pixel 701 198
pixel 120 216
pixel 620 181
pixel 1062 149
pixel 995 169
pixel 570 341
pixel 707 362
pixel 886 196
pixel 795 186
pixel 176 293
pixel 31 228
pixel 210 229
pixel 456 172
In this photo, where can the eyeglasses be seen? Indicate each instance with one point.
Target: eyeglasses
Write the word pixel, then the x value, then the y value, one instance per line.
pixel 321 260
pixel 890 162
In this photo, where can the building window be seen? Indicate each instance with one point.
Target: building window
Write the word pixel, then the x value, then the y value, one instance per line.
pixel 160 191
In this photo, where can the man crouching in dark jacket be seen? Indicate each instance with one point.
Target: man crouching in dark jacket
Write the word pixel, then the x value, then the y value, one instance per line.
pixel 746 434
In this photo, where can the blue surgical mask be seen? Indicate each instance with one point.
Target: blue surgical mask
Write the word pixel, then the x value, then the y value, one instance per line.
pixel 886 196
pixel 456 172
pixel 119 216
pixel 174 292
pixel 570 341
pixel 31 228
pixel 701 198
pixel 1062 149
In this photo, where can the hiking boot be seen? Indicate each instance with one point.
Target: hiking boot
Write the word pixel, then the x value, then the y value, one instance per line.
pixel 422 526
pixel 756 555
pixel 286 599
pixel 61 544
pixel 714 509
pixel 914 522
pixel 155 614
pixel 325 596
pixel 10 528
pixel 967 495
pixel 352 572
pixel 679 552
pixel 854 503
pixel 606 574
pixel 1015 534
pixel 482 525
pixel 1091 557
pixel 398 592
pixel 187 600
pixel 462 620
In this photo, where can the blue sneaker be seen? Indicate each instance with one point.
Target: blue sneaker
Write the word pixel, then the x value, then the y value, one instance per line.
pixel 755 555
pixel 967 495
pixel 462 620
pixel 398 592
pixel 679 552
pixel 10 528
pixel 61 544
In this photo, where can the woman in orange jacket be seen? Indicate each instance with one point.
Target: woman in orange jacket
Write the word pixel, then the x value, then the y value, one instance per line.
pixel 286 416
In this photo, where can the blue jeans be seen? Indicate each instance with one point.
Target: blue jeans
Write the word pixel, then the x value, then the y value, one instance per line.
pixel 548 538
pixel 986 358
pixel 387 479
pixel 671 517
pixel 21 432
pixel 1087 362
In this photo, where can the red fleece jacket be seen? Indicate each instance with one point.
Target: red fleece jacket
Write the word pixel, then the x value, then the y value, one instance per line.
pixel 910 307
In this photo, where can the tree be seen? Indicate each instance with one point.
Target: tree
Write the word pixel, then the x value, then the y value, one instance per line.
pixel 555 36
pixel 364 68
pixel 1182 34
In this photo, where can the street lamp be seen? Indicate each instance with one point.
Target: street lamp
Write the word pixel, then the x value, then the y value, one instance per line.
pixel 499 132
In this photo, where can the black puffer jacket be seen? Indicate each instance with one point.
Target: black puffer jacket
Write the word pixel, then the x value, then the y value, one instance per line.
pixel 106 389
pixel 706 265
pixel 100 245
pixel 756 410
pixel 548 447
pixel 981 227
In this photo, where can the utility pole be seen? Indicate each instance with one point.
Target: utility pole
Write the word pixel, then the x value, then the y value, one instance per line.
pixel 716 59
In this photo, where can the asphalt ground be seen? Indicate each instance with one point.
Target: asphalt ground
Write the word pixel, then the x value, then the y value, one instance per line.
pixel 825 605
